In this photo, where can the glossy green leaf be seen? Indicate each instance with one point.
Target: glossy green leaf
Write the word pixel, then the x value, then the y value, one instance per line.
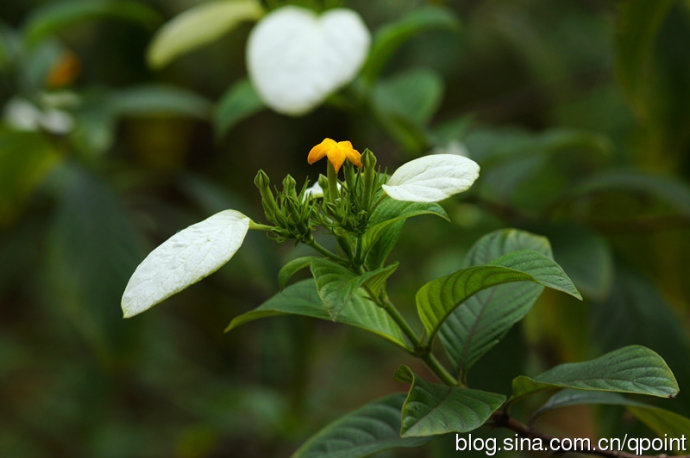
pixel 371 428
pixel 302 298
pixel 432 409
pixel 377 253
pixel 633 369
pixel 158 99
pixel 291 268
pixel 198 26
pixel 481 322
pixel 439 298
pixel 237 103
pixel 391 36
pixel 53 17
pixel 336 285
pixel 389 212
pixel 661 421
pixel 415 95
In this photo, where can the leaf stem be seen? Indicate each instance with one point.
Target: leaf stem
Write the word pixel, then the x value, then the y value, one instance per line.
pixel 419 351
pixel 324 251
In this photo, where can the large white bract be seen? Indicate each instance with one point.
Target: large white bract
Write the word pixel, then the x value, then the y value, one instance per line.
pixel 184 259
pixel 432 178
pixel 296 58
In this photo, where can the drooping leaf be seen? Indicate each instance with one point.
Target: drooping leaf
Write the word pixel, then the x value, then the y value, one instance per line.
pixel 371 428
pixel 336 284
pixel 432 178
pixel 158 99
pixel 198 26
pixel 185 258
pixel 292 267
pixel 432 409
pixel 239 101
pixel 415 95
pixel 633 369
pixel 437 299
pixel 661 421
pixel 93 247
pixel 302 298
pixel 53 17
pixel 483 319
pixel 391 36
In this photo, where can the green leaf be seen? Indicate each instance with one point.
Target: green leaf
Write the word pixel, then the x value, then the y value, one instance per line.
pixel 432 409
pixel 388 213
pixel 239 101
pixel 158 99
pixel 633 369
pixel 25 159
pixel 51 18
pixel 483 320
pixel 302 298
pixel 377 280
pixel 377 254
pixel 664 188
pixel 198 26
pixel 336 284
pixel 391 36
pixel 661 421
pixel 292 267
pixel 415 95
pixel 371 428
pixel 439 298
pixel 585 256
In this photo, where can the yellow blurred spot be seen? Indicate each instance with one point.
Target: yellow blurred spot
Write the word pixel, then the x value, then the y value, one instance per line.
pixel 64 71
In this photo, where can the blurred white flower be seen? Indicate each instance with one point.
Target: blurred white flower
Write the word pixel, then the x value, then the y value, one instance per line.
pixel 296 58
pixel 21 114
pixel 453 147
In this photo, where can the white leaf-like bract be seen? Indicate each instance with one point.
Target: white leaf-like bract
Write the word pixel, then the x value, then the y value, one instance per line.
pixel 184 259
pixel 296 58
pixel 432 178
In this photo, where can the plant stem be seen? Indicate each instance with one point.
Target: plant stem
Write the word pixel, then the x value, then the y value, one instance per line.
pixel 332 182
pixel 318 247
pixel 430 360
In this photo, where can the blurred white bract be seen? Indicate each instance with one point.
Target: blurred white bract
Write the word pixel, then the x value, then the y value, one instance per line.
pixel 296 58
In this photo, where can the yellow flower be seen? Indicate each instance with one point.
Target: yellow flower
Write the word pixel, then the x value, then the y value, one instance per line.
pixel 337 152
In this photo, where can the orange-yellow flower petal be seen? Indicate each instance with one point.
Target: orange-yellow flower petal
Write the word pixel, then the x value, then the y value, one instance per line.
pixel 337 153
pixel 320 150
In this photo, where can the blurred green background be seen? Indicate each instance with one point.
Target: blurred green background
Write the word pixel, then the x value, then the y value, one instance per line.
pixel 578 112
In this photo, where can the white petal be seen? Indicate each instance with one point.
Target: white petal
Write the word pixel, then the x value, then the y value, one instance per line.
pixel 314 191
pixel 184 259
pixel 432 178
pixel 57 121
pixel 296 58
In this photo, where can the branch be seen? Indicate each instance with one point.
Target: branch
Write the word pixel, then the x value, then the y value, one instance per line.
pixel 503 420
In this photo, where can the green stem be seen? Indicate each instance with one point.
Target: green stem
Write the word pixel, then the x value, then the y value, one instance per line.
pixel 430 360
pixel 332 182
pixel 318 247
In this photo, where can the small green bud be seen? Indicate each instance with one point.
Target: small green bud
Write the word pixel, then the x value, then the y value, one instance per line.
pixel 268 202
pixel 289 185
pixel 368 159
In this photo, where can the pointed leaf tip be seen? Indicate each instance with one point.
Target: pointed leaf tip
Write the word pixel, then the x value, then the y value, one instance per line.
pixel 184 259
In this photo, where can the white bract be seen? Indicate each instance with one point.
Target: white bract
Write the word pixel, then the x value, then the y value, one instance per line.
pixel 296 58
pixel 432 178
pixel 184 259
